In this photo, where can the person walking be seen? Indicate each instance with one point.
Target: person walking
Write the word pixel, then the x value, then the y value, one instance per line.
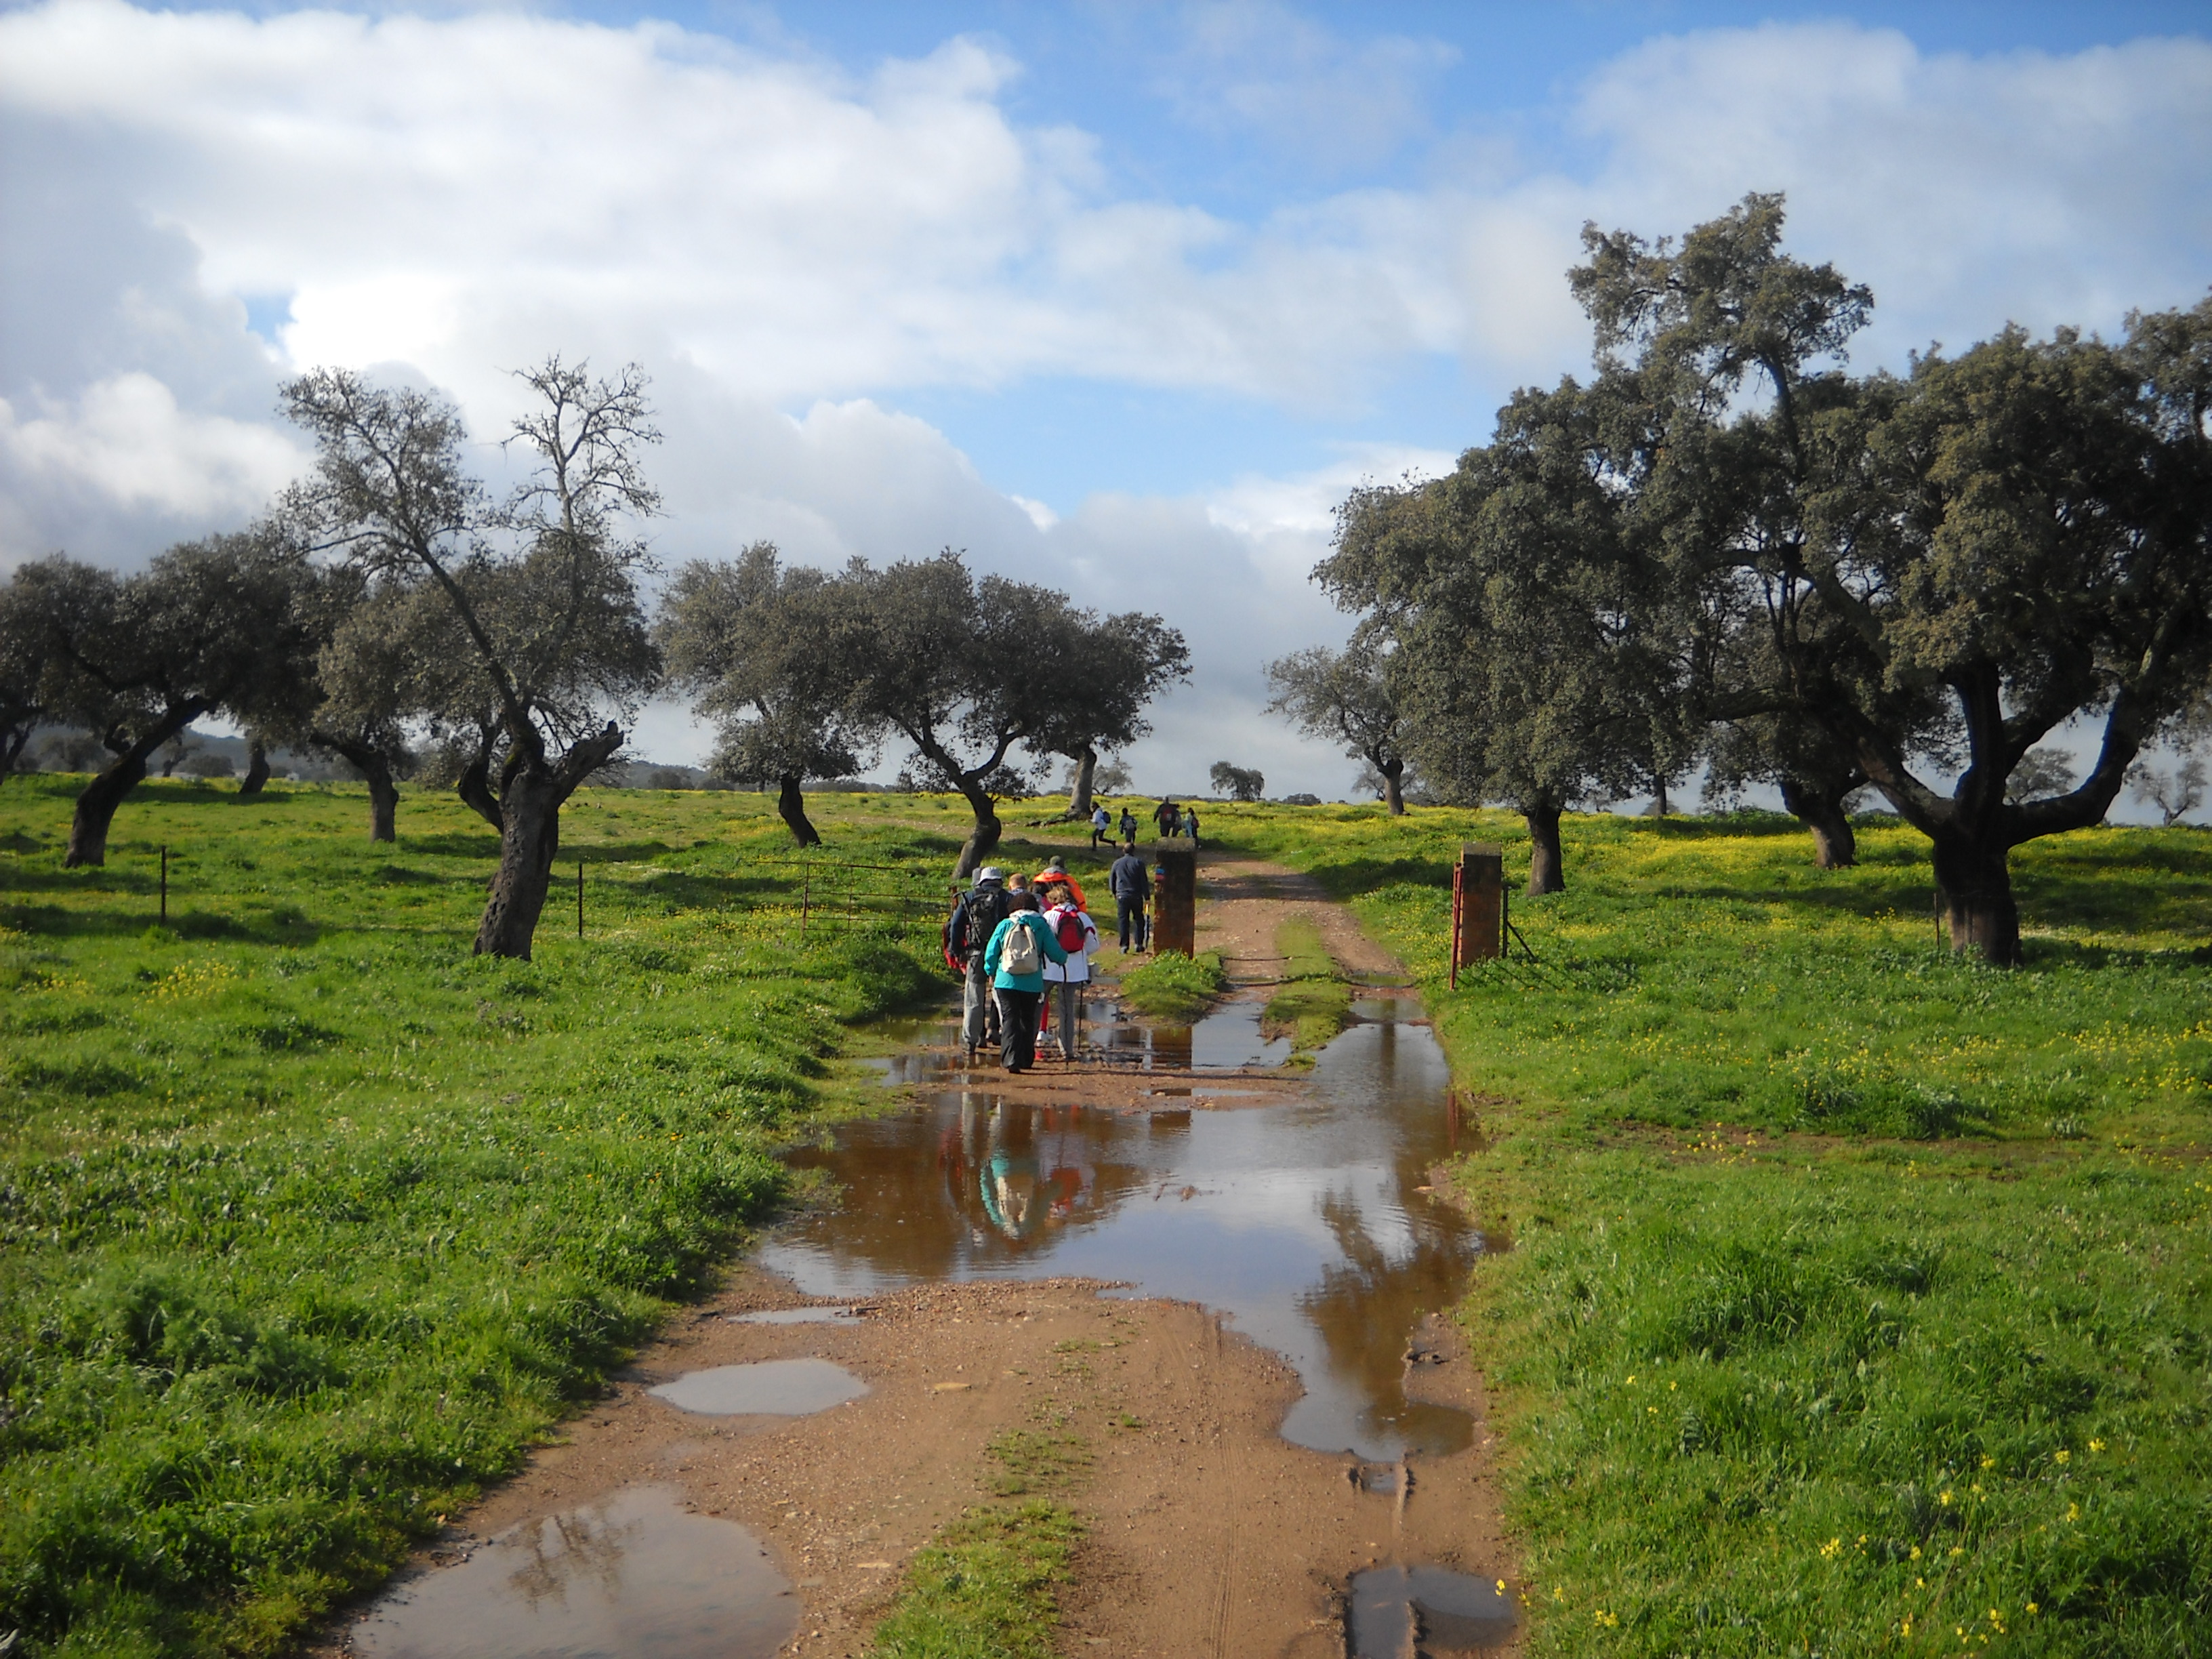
pixel 1129 829
pixel 1190 825
pixel 1079 936
pixel 1102 825
pixel 1015 958
pixel 1167 817
pixel 1131 883
pixel 975 919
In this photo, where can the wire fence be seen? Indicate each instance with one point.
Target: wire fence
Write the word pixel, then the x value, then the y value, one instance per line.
pixel 828 894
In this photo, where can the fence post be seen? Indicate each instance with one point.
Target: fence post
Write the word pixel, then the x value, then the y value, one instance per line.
pixel 165 884
pixel 1478 905
pixel 805 899
pixel 580 900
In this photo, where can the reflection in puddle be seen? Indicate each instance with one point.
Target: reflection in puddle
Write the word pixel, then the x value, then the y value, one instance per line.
pixel 631 1577
pixel 1390 1011
pixel 1222 1040
pixel 777 1387
pixel 1393 1608
pixel 799 1316
pixel 1303 1220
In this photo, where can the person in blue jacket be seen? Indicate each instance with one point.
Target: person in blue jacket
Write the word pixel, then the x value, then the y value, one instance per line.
pixel 1020 993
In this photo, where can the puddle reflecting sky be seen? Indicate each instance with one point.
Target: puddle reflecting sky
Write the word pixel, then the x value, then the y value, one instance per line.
pixel 1393 1608
pixel 768 1387
pixel 1300 1220
pixel 634 1576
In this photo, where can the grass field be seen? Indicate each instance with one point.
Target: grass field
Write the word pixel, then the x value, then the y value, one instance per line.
pixel 313 1222
pixel 1859 1301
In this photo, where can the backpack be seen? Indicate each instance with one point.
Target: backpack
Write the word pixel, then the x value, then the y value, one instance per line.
pixel 1020 956
pixel 974 917
pixel 1071 930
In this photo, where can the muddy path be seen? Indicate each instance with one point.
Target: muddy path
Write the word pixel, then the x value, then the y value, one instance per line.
pixel 1223 1278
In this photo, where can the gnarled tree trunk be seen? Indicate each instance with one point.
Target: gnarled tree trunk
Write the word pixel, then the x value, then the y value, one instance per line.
pixel 1546 864
pixel 791 807
pixel 983 837
pixel 95 807
pixel 530 795
pixel 257 768
pixel 1821 810
pixel 1078 797
pixel 1394 795
pixel 1973 883
pixel 375 769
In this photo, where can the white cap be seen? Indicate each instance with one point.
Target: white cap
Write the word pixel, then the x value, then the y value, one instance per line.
pixel 989 872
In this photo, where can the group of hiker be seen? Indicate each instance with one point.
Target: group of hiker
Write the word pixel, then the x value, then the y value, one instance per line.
pixel 1016 939
pixel 1173 820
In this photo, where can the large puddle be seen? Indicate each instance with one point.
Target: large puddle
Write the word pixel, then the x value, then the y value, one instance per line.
pixel 1307 1221
pixel 1396 1610
pixel 770 1388
pixel 634 1576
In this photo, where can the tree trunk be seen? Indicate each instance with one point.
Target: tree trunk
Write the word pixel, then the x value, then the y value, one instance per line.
pixel 1973 883
pixel 1394 795
pixel 1546 865
pixel 256 769
pixel 984 837
pixel 1660 807
pixel 1821 810
pixel 474 787
pixel 95 807
pixel 529 840
pixel 1078 798
pixel 790 807
pixel 15 737
pixel 383 795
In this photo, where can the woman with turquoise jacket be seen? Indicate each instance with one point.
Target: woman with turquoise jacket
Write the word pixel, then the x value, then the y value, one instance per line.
pixel 1017 971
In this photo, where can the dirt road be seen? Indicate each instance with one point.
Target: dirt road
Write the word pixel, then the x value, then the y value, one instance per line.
pixel 1209 1535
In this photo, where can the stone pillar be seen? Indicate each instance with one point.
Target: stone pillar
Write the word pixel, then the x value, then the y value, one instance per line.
pixel 1175 898
pixel 1478 905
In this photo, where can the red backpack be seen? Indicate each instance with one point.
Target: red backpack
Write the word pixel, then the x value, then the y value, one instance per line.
pixel 1071 930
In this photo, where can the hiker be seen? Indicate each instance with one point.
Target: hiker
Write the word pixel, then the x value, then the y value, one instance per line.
pixel 1129 829
pixel 1190 825
pixel 1015 958
pixel 1079 936
pixel 975 918
pixel 1056 869
pixel 1102 826
pixel 1131 883
pixel 1168 816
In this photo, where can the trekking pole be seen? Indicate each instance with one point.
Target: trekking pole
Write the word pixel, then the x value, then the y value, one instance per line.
pixel 165 884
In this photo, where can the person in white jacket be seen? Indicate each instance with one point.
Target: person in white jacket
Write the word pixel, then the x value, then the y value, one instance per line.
pixel 1068 922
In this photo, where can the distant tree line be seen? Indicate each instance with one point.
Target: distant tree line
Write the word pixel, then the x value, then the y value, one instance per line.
pixel 1726 549
pixel 388 612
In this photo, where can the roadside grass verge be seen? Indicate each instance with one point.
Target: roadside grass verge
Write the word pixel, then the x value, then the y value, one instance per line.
pixel 1173 987
pixel 984 1589
pixel 310 1223
pixel 1313 1004
pixel 1859 1297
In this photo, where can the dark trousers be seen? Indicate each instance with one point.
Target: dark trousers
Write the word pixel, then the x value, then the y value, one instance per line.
pixel 1131 915
pixel 1017 1028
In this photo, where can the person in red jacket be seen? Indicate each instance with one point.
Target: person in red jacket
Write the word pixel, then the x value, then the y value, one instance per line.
pixel 1056 871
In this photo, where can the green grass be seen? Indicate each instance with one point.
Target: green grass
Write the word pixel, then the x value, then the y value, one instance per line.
pixel 1313 1003
pixel 1936 1283
pixel 1173 987
pixel 984 1589
pixel 314 1223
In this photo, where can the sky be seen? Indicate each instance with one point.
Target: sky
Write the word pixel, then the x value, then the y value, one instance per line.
pixel 1122 297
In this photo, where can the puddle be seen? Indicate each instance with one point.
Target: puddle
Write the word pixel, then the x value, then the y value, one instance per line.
pixel 1222 1040
pixel 1303 1220
pixel 1396 1610
pixel 1387 1479
pixel 1389 1011
pixel 774 1388
pixel 799 1316
pixel 634 1576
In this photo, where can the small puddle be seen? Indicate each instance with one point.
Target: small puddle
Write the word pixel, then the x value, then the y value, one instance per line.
pixel 1222 1040
pixel 1305 1217
pixel 1397 1611
pixel 775 1387
pixel 634 1576
pixel 799 1316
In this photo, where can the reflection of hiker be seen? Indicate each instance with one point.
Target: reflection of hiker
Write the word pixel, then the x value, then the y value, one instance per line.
pixel 974 919
pixel 1129 829
pixel 1101 827
pixel 1169 816
pixel 1015 958
pixel 1190 825
pixel 1008 1176
pixel 1056 869
pixel 1079 936
pixel 1131 883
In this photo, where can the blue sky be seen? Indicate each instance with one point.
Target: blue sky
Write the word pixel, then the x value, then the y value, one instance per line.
pixel 1121 297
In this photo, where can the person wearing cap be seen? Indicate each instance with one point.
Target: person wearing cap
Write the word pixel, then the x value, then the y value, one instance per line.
pixel 978 914
pixel 1056 869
